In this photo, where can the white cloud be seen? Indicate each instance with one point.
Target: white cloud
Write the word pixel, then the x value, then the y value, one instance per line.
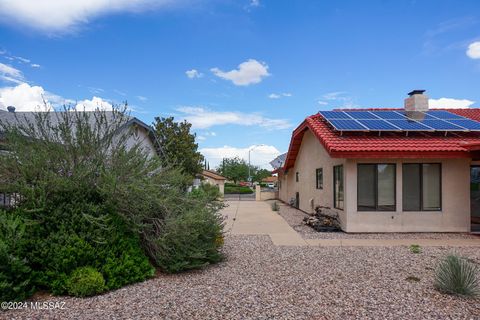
pixel 473 50
pixel 65 16
pixel 449 103
pixel 248 72
pixel 340 98
pixel 10 74
pixel 193 74
pixel 279 95
pixel 93 104
pixel 202 118
pixel 254 3
pixel 260 155
pixel 201 138
pixel 29 98
pixel 142 98
pixel 322 103
pixel 35 65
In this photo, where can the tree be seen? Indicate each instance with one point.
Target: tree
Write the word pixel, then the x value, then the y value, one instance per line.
pixel 179 145
pixel 236 169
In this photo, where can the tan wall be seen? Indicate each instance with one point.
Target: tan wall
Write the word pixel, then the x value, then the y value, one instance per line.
pixel 455 214
pixel 312 155
pixel 219 183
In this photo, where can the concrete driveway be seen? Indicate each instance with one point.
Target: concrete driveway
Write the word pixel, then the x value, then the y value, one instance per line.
pixel 256 217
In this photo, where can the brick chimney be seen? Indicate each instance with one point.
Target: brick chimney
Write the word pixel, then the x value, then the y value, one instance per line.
pixel 417 101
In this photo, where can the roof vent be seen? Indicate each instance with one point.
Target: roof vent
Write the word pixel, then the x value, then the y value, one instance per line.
pixel 11 109
pixel 417 101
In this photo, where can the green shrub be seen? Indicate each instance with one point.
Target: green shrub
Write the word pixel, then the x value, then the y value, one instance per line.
pixel 190 240
pixel 275 206
pixel 238 189
pixel 85 281
pixel 206 190
pixel 415 248
pixel 16 277
pixel 456 275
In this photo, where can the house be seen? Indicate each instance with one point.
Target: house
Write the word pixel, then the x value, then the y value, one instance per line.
pixel 211 177
pixel 140 132
pixel 271 179
pixel 410 174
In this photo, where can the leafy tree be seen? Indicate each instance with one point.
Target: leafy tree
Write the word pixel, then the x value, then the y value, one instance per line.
pixel 236 169
pixel 260 174
pixel 178 145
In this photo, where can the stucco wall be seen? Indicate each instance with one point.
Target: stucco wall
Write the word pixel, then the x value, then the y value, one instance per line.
pixel 219 183
pixel 141 136
pixel 312 155
pixel 455 214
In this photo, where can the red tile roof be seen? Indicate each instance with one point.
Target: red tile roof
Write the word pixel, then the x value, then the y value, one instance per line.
pixel 387 144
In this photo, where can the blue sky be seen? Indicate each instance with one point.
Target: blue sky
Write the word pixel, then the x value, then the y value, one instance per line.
pixel 243 72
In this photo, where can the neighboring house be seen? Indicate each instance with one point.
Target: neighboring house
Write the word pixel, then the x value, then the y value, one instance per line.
pixel 387 175
pixel 271 181
pixel 141 133
pixel 211 177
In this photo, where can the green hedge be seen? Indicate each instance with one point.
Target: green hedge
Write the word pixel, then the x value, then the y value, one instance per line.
pixel 238 189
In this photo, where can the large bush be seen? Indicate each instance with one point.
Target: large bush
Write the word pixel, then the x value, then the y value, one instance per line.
pixel 16 277
pixel 91 201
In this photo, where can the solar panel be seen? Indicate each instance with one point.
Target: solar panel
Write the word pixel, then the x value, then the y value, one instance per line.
pixel 409 125
pixel 378 125
pixel 444 115
pixel 389 115
pixel 334 115
pixel 347 125
pixel 441 125
pixel 466 123
pixel 361 115
pixel 393 120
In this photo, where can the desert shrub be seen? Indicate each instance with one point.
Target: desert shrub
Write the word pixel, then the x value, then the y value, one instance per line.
pixel 415 248
pixel 91 201
pixel 85 281
pixel 456 275
pixel 206 190
pixel 190 240
pixel 16 277
pixel 274 206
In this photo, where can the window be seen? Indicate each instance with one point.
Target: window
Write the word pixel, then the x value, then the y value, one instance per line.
pixel 319 178
pixel 338 187
pixel 422 187
pixel 376 187
pixel 296 176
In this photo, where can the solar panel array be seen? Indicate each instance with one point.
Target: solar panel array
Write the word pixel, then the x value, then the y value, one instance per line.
pixel 433 120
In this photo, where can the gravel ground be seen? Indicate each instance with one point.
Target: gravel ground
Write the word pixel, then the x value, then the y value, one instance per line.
pixel 262 281
pixel 295 217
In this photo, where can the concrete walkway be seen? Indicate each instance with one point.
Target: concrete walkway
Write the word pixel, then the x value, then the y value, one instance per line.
pixel 256 217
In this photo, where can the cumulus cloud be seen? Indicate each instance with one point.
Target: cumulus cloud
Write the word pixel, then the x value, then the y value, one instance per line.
pixel 202 118
pixel 93 104
pixel 260 155
pixel 473 50
pixel 279 95
pixel 248 72
pixel 65 16
pixel 449 103
pixel 10 74
pixel 30 98
pixel 192 74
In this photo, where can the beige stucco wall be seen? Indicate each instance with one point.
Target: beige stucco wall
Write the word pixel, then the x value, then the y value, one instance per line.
pixel 312 155
pixel 454 217
pixel 455 214
pixel 219 183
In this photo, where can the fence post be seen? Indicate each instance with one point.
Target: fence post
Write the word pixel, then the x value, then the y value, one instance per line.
pixel 257 193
